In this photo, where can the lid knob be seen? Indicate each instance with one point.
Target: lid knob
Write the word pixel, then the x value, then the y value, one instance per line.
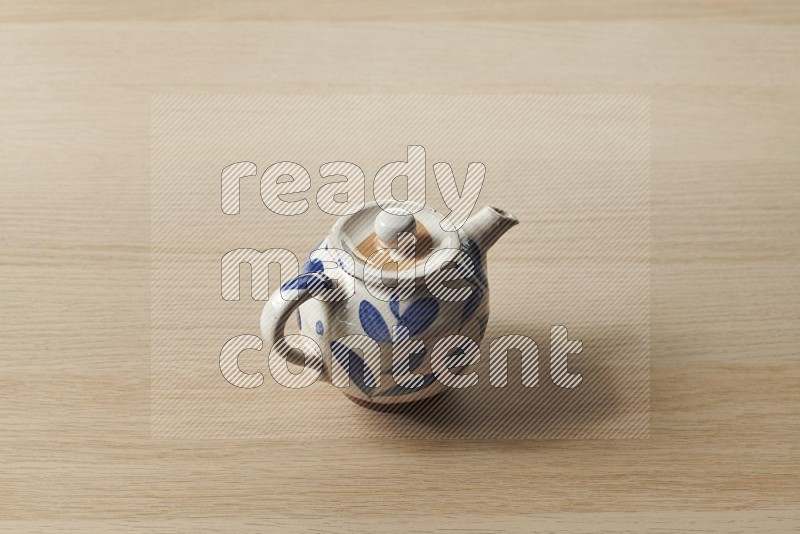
pixel 389 225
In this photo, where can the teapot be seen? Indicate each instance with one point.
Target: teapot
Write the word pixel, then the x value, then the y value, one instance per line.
pixel 374 328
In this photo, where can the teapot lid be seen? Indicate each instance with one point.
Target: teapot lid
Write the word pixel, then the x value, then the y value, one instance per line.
pixel 370 237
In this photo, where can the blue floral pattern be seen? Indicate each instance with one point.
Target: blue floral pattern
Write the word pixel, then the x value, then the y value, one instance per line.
pixel 313 265
pixel 416 319
pixel 312 277
pixel 372 322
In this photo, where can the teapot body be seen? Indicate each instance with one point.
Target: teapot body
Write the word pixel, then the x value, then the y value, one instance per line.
pixel 398 339
pixel 419 319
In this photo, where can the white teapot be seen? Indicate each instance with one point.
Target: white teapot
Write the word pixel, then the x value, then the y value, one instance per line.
pixel 387 336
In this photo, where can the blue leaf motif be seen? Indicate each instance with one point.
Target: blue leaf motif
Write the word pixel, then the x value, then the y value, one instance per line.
pixel 357 368
pixel 313 266
pixel 419 315
pixel 310 277
pixel 308 281
pixel 372 322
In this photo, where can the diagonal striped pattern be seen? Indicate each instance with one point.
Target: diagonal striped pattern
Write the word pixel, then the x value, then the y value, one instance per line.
pixel 451 354
pixel 259 262
pixel 273 187
pixel 459 202
pixel 414 171
pixel 279 368
pixel 560 347
pixel 456 272
pixel 529 360
pixel 229 357
pixel 229 184
pixel 345 196
pixel 584 213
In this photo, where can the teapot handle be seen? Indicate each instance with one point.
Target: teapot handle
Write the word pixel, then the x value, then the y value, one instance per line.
pixel 278 309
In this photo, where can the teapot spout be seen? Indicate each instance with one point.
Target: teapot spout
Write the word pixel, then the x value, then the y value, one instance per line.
pixel 487 226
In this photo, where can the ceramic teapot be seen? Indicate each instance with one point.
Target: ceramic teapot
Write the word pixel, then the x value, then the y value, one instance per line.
pixel 380 291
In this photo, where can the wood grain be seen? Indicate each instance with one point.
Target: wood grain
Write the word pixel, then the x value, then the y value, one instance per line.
pixel 77 80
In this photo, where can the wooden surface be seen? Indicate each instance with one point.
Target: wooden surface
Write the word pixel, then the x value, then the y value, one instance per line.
pixel 75 448
pixel 573 169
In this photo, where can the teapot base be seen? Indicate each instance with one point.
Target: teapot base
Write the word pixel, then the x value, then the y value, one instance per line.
pixel 400 407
